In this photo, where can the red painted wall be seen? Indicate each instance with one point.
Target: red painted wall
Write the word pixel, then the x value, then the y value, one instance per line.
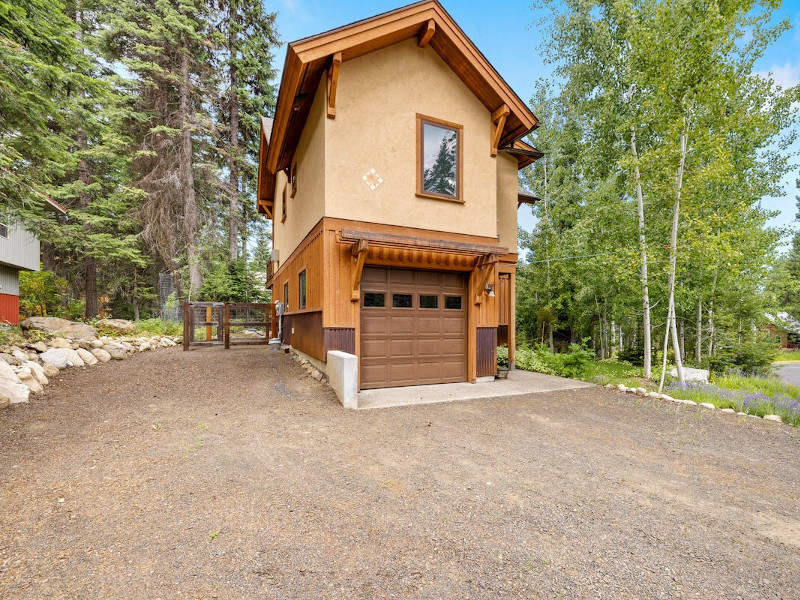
pixel 9 309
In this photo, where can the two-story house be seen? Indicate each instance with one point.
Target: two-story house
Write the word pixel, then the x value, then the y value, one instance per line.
pixel 19 251
pixel 390 175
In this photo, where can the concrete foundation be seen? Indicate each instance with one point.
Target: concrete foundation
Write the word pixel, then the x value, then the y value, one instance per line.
pixel 343 377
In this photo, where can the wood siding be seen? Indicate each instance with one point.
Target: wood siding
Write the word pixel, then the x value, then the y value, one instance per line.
pixel 20 249
pixel 487 351
pixel 303 331
pixel 340 338
pixel 9 280
pixel 9 309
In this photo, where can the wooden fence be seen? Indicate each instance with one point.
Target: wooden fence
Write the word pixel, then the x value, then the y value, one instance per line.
pixel 227 324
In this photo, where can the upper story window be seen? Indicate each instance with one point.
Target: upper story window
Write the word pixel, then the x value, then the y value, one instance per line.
pixel 284 202
pixel 286 297
pixel 439 159
pixel 3 230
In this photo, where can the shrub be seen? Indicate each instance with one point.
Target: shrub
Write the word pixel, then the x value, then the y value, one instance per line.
pixel 751 358
pixel 632 355
pixel 159 327
pixel 502 356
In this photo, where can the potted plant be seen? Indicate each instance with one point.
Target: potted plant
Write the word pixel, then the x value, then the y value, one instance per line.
pixel 502 362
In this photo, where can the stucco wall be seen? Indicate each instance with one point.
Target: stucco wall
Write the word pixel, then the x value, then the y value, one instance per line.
pixel 306 208
pixel 507 187
pixel 378 98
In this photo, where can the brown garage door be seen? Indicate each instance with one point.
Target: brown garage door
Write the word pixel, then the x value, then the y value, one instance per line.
pixel 413 327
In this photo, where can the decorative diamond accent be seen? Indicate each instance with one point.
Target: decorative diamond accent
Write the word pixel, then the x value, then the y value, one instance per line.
pixel 372 179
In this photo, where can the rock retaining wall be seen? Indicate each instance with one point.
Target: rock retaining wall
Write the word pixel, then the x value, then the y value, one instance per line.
pixel 27 368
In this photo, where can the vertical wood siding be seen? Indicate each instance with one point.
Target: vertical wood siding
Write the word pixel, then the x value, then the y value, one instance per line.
pixel 487 351
pixel 340 338
pixel 19 249
pixel 9 281
pixel 9 309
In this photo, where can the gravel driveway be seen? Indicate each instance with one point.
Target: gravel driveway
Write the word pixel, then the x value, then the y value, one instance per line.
pixel 789 371
pixel 231 474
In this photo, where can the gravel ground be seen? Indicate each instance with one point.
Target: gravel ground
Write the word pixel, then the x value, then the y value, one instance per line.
pixel 232 474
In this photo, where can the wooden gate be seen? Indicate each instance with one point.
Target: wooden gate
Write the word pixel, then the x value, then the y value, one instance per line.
pixel 227 324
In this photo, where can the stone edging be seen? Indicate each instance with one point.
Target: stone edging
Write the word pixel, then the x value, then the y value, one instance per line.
pixel 643 392
pixel 27 368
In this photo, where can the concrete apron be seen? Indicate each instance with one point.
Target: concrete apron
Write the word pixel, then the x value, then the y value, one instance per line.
pixel 519 383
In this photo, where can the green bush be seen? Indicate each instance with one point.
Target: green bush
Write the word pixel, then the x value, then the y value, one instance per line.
pixel 159 327
pixel 751 358
pixel 571 364
pixel 633 355
pixel 502 356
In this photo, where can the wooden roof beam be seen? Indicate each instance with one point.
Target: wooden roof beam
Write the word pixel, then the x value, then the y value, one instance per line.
pixel 426 33
pixel 359 252
pixel 333 81
pixel 498 124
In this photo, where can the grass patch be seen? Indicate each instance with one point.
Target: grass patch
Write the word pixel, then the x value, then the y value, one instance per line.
pixel 788 356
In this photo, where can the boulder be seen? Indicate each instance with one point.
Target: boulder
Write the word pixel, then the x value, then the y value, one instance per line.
pixel 59 343
pixel 167 342
pixel 116 351
pixel 38 372
pixel 116 325
pixel 15 391
pixel 62 327
pixel 87 356
pixel 4 402
pixel 74 357
pixel 144 346
pixel 38 346
pixel 691 375
pixel 50 370
pixel 32 384
pixel 101 355
pixel 56 357
pixel 7 372
pixel 96 343
pixel 8 359
pixel 20 355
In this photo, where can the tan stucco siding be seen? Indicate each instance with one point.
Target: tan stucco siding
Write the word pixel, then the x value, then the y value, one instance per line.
pixel 307 207
pixel 379 96
pixel 507 189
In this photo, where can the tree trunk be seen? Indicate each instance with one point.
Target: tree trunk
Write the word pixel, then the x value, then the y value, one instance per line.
pixel 190 209
pixel 681 340
pixel 135 296
pixel 233 161
pixel 643 254
pixel 673 259
pixel 698 342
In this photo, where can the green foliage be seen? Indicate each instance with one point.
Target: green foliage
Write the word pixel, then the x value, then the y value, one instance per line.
pixel 502 356
pixel 11 336
pixel 751 358
pixel 571 364
pixel 159 327
pixel 41 294
pixel 231 282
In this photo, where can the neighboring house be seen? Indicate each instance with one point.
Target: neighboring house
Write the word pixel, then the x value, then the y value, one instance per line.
pixel 390 175
pixel 785 328
pixel 19 251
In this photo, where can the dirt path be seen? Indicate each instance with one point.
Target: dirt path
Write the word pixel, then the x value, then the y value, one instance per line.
pixel 216 474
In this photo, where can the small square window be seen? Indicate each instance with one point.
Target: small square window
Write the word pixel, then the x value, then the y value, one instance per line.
pixel 452 302
pixel 428 301
pixel 374 300
pixel 302 289
pixel 402 300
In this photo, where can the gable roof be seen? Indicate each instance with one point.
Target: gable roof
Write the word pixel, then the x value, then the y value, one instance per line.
pixel 308 58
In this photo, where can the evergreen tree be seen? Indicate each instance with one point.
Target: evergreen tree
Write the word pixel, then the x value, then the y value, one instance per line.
pixel 440 178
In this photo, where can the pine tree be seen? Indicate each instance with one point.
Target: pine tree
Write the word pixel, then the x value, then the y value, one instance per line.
pixel 440 178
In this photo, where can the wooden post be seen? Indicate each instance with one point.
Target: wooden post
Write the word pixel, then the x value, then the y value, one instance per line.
pixel 187 329
pixel 209 316
pixel 227 326
pixel 272 319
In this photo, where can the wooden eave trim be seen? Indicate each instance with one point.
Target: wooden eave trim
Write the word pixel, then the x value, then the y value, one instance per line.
pixel 333 82
pixel 293 72
pixel 426 33
pixel 432 244
pixel 498 124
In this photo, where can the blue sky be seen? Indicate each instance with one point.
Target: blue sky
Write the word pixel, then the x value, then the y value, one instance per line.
pixel 508 35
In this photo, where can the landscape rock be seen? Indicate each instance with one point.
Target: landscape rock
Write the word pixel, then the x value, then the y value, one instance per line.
pixel 7 373
pixel 101 355
pixel 9 359
pixel 168 342
pixel 50 370
pixel 773 418
pixel 96 343
pixel 691 375
pixel 118 325
pixel 56 357
pixel 74 357
pixel 622 387
pixel 114 351
pixel 87 356
pixel 38 372
pixel 32 384
pixel 38 346
pixel 4 402
pixel 727 410
pixel 62 327
pixel 706 405
pixel 20 355
pixel 16 392
pixel 59 343
pixel 144 346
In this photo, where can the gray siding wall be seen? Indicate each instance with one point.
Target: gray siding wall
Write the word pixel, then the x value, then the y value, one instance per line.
pixel 20 249
pixel 9 280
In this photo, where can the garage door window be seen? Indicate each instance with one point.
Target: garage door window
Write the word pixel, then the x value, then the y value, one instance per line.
pixel 402 300
pixel 428 301
pixel 374 300
pixel 452 302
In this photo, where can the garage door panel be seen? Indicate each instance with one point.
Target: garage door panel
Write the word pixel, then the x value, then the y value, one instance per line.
pixel 402 345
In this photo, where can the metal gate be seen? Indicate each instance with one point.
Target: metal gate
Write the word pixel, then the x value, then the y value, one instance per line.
pixel 227 324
